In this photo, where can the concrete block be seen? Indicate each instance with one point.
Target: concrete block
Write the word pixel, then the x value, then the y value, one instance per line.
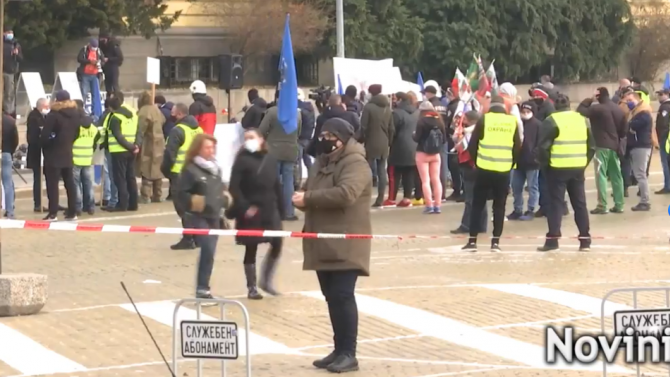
pixel 22 294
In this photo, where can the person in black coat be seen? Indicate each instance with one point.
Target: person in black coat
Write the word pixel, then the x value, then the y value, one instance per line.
pixel 335 109
pixel 111 50
pixel 166 109
pixel 61 129
pixel 253 115
pixel 256 192
pixel 34 158
pixel 527 170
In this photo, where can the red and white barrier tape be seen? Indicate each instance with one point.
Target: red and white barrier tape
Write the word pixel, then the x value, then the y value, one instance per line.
pixel 75 227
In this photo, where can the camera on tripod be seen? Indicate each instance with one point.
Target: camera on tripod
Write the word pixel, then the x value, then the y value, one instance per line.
pixel 321 94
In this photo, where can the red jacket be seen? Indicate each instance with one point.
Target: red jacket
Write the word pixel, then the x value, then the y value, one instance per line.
pixel 204 112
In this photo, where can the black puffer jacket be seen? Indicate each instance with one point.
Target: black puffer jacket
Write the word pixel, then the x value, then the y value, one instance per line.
pixel 60 130
pixel 254 115
pixel 197 180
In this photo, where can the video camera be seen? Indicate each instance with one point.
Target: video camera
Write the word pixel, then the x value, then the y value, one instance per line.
pixel 321 94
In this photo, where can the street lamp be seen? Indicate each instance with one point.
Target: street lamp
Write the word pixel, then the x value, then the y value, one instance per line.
pixel 339 15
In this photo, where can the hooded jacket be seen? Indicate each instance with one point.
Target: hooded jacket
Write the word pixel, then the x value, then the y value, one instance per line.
pixel 82 59
pixel 403 146
pixel 175 141
pixel 639 126
pixel 254 115
pixel 377 128
pixel 115 129
pixel 112 51
pixel 61 128
pixel 204 111
pixel 608 122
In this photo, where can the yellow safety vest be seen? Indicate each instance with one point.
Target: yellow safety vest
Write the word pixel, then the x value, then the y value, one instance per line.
pixel 570 147
pixel 82 150
pixel 189 135
pixel 495 149
pixel 128 130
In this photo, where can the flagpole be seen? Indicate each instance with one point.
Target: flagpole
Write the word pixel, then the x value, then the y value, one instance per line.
pixel 339 15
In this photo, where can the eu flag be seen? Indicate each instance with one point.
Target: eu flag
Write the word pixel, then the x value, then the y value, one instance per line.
pixel 287 103
pixel 340 89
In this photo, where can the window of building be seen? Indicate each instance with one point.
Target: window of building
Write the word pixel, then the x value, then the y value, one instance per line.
pixel 177 71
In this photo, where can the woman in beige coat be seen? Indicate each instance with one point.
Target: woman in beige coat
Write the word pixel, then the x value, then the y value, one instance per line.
pixel 152 147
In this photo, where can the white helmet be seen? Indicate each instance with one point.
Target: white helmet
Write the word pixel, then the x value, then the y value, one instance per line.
pixel 198 87
pixel 434 84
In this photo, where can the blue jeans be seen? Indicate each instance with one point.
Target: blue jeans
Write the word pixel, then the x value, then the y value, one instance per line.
pixel 666 168
pixel 445 174
pixel 285 169
pixel 8 183
pixel 110 194
pixel 519 178
pixel 83 180
pixel 207 250
pixel 88 82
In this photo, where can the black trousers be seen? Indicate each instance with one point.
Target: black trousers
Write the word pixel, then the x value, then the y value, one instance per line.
pixel 53 177
pixel 406 174
pixel 456 177
pixel 338 289
pixel 123 168
pixel 251 250
pixel 111 80
pixel 493 184
pixel 37 187
pixel 558 181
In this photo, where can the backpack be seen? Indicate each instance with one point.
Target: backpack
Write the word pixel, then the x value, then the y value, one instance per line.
pixel 433 143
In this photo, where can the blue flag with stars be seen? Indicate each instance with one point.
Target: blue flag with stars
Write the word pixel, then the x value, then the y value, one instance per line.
pixel 287 103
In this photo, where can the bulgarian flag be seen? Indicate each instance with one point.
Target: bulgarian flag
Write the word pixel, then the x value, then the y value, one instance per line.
pixel 492 78
pixel 461 86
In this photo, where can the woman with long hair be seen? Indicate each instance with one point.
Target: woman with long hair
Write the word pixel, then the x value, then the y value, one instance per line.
pixel 256 191
pixel 430 136
pixel 201 193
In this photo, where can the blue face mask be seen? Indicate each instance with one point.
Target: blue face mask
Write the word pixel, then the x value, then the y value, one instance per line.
pixel 9 37
pixel 631 105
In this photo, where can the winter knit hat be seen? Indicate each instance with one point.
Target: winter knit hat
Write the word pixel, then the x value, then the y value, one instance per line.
pixel 342 129
pixel 62 95
pixel 375 89
pixel 540 92
pixel 426 106
pixel 530 106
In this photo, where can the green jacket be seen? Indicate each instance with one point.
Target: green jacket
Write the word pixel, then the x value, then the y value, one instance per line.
pixel 283 146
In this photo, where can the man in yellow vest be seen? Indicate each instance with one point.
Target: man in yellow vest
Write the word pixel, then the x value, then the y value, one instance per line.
pixel 178 142
pixel 565 150
pixel 494 146
pixel 121 134
pixel 82 159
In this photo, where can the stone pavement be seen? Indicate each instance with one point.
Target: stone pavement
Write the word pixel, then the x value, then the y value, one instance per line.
pixel 428 310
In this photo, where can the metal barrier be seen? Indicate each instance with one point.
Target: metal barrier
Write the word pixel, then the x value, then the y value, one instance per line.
pixel 634 291
pixel 176 335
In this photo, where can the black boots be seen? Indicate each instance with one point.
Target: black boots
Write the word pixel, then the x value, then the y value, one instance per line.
pixel 250 273
pixel 186 243
pixel 268 269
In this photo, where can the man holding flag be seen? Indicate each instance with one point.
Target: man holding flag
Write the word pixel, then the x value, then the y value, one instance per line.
pixel 281 124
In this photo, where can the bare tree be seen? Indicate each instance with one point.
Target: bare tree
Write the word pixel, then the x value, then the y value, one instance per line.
pixel 650 51
pixel 255 27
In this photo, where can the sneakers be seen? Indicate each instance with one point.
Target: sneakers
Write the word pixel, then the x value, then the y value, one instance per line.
pixel 71 218
pixel 291 218
pixel 417 202
pixel 388 203
pixel 495 247
pixel 50 218
pixel 343 364
pixel 437 210
pixel 326 361
pixel 404 203
pixel 600 211
pixel 471 246
pixel 454 197
pixel 584 245
pixel 616 210
pixel 184 244
pixel 641 207
pixel 378 203
pixel 514 215
pixel 205 295
pixel 527 216
pixel 428 210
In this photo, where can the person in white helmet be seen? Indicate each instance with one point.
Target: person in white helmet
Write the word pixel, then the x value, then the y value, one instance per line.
pixel 202 107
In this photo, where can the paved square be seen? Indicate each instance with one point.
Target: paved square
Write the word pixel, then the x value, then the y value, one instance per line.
pixel 428 309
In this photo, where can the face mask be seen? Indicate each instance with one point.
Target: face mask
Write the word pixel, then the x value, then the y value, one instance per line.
pixel 327 146
pixel 252 145
pixel 9 37
pixel 526 116
pixel 631 105
pixel 45 111
pixel 538 101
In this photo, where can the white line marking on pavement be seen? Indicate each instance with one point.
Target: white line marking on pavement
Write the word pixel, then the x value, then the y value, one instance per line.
pixel 466 372
pixel 536 323
pixel 376 340
pixel 429 362
pixel 571 300
pixel 124 217
pixel 163 312
pixel 29 357
pixel 458 333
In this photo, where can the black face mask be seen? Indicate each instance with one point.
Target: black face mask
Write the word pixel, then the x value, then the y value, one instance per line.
pixel 326 146
pixel 538 101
